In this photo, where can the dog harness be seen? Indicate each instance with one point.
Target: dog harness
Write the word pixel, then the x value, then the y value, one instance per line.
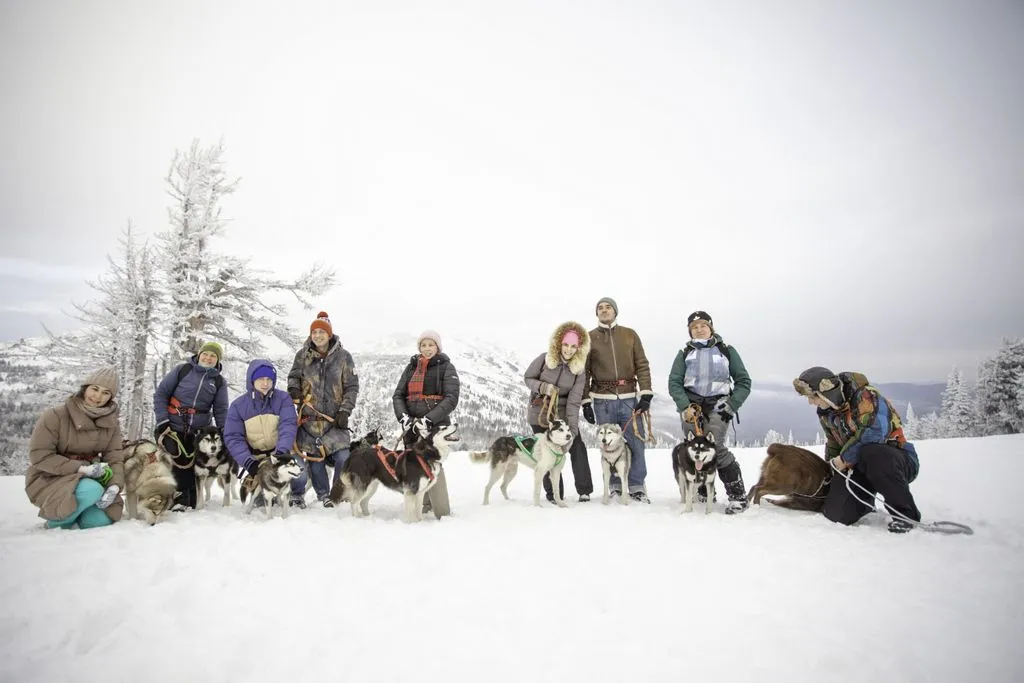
pixel 529 453
pixel 383 453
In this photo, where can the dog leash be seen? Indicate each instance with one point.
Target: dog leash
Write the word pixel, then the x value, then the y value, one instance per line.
pixel 941 527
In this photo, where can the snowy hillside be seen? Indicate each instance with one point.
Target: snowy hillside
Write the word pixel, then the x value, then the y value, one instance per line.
pixel 514 593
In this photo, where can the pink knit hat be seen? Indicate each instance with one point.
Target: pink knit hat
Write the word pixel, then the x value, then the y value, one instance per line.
pixel 429 334
pixel 571 337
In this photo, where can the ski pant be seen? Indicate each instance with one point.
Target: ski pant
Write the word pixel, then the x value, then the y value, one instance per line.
pixel 881 468
pixel 184 467
pixel 620 411
pixel 580 468
pixel 317 472
pixel 88 516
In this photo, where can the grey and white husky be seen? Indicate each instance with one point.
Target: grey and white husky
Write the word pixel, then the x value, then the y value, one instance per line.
pixel 149 482
pixel 695 465
pixel 543 453
pixel 615 456
pixel 274 480
pixel 212 461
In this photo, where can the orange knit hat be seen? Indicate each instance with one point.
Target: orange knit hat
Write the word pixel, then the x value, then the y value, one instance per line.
pixel 322 322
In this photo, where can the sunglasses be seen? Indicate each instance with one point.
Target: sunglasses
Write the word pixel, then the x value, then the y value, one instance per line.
pixel 805 389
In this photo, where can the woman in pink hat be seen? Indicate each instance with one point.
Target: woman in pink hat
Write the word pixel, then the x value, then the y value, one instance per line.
pixel 559 375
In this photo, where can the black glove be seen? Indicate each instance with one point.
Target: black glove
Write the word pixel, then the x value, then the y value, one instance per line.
pixel 296 394
pixel 644 404
pixel 588 413
pixel 159 429
pixel 341 419
pixel 724 410
pixel 252 466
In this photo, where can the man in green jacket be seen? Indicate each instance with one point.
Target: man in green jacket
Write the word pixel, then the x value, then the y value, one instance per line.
pixel 709 374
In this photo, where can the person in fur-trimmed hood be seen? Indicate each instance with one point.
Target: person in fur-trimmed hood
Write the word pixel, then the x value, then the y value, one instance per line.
pixel 324 386
pixel 76 462
pixel 864 434
pixel 709 374
pixel 556 379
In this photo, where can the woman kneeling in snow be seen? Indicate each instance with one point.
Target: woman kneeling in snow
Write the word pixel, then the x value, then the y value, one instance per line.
pixel 76 470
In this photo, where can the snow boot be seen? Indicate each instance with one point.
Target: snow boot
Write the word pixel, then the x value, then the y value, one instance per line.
pixel 732 479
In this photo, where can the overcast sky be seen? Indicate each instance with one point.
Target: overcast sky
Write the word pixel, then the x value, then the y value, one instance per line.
pixel 837 183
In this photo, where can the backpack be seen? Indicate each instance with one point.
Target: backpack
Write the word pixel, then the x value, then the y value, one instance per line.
pixel 183 370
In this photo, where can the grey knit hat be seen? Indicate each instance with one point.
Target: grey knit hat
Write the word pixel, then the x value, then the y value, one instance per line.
pixel 104 377
pixel 610 301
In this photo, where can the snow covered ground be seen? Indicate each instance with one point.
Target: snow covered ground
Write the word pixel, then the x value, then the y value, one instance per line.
pixel 514 593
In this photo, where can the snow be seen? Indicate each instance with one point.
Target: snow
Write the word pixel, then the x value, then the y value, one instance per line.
pixel 511 592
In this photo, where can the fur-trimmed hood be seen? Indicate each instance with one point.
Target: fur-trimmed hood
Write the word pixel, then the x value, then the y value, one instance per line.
pixel 554 357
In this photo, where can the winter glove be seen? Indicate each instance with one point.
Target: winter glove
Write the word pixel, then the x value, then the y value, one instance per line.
pixel 840 464
pixel 341 419
pixel 108 497
pixel 724 410
pixel 644 404
pixel 296 394
pixel 588 413
pixel 688 413
pixel 159 429
pixel 251 467
pixel 94 471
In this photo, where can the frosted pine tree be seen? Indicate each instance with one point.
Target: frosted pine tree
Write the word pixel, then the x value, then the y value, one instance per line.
pixel 789 438
pixel 910 423
pixel 212 295
pixel 118 330
pixel 958 417
pixel 819 439
pixel 773 437
pixel 998 399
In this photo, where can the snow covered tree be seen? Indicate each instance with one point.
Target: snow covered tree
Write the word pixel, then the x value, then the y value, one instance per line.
pixel 212 295
pixel 773 437
pixel 910 423
pixel 819 439
pixel 958 417
pixel 998 389
pixel 789 438
pixel 118 329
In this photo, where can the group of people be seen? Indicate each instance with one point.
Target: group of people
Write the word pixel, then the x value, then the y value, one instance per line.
pixel 75 476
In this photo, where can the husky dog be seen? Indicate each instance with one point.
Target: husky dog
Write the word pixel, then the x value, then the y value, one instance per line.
pixel 213 462
pixel 615 456
pixel 274 480
pixel 800 475
pixel 543 453
pixel 148 480
pixel 412 472
pixel 695 464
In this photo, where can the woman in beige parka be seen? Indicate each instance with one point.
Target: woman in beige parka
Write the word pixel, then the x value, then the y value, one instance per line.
pixel 76 470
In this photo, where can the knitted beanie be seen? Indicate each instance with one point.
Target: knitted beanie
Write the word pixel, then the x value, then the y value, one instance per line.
pixel 699 316
pixel 214 348
pixel 610 301
pixel 104 377
pixel 322 322
pixel 429 334
pixel 265 371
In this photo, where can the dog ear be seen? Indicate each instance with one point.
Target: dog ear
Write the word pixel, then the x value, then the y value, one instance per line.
pixel 690 436
pixel 711 437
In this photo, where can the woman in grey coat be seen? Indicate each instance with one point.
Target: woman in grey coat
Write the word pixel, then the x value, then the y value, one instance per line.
pixel 558 375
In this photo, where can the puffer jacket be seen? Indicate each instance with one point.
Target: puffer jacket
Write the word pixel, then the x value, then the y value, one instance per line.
pixel 64 439
pixel 441 380
pixel 548 369
pixel 197 391
pixel 258 423
pixel 331 384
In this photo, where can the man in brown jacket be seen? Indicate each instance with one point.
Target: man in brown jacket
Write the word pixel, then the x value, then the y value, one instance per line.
pixel 618 388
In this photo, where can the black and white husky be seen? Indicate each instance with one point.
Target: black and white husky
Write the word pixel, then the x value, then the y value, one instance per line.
pixel 615 456
pixel 212 461
pixel 274 480
pixel 543 453
pixel 410 472
pixel 695 464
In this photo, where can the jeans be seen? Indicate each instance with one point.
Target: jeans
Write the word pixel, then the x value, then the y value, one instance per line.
pixel 318 472
pixel 619 411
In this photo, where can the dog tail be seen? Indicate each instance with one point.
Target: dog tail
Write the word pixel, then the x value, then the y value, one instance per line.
pixel 337 494
pixel 479 456
pixel 804 503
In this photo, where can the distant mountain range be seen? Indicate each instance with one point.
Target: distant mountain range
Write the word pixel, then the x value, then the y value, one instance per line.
pixel 493 397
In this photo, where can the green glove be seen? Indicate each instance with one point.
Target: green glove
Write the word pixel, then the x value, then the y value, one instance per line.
pixel 108 474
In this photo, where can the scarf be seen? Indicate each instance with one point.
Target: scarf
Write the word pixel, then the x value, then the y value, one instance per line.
pixel 94 413
pixel 415 391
